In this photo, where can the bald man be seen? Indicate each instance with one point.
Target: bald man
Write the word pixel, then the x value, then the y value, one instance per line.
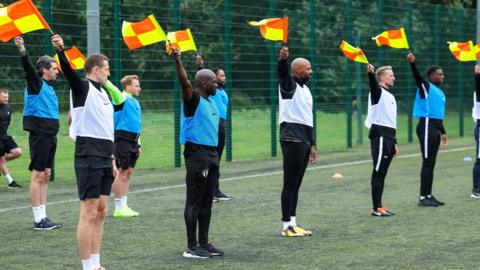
pixel 199 134
pixel 296 135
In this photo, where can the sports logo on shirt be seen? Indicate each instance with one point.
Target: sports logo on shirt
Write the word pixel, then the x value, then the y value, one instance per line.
pixel 205 173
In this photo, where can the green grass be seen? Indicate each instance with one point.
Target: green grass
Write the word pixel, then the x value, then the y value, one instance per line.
pixel 248 227
pixel 251 139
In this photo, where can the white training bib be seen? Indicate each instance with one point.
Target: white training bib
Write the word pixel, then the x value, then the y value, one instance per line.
pixel 298 109
pixel 384 113
pixel 95 118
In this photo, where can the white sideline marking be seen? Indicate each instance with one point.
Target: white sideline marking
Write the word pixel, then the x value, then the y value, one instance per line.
pixel 248 176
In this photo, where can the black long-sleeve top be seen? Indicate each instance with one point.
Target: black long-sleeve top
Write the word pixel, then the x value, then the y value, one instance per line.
pixel 421 83
pixel 84 146
pixel 34 124
pixel 5 117
pixel 288 85
pixel 375 94
pixel 423 88
pixel 477 91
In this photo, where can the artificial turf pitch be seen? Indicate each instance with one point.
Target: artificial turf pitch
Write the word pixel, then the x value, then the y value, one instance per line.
pixel 345 235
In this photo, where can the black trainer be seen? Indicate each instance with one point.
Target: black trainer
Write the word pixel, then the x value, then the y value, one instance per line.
pixel 57 224
pixel 197 252
pixel 213 250
pixel 437 201
pixel 475 193
pixel 14 184
pixel 427 202
pixel 221 196
pixel 45 224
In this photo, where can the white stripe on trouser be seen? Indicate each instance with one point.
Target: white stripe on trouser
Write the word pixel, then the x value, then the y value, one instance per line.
pixel 425 140
pixel 478 143
pixel 380 154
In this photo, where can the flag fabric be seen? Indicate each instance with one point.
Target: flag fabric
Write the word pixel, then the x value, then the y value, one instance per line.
pixel 273 29
pixel 395 38
pixel 19 18
pixel 143 33
pixel 74 57
pixel 464 51
pixel 182 39
pixel 353 53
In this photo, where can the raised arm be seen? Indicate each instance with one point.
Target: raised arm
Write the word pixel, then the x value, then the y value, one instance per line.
pixel 118 97
pixel 72 77
pixel 187 88
pixel 34 81
pixel 477 83
pixel 421 83
pixel 199 62
pixel 375 90
pixel 287 85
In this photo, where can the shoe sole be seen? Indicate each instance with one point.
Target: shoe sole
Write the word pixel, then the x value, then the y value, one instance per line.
pixel 14 188
pixel 296 235
pixel 48 229
pixel 224 199
pixel 124 216
pixel 375 215
pixel 192 256
pixel 475 197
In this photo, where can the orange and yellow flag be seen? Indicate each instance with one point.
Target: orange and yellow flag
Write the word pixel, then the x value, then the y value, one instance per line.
pixel 464 51
pixel 353 53
pixel 182 39
pixel 74 57
pixel 395 38
pixel 273 29
pixel 19 18
pixel 143 33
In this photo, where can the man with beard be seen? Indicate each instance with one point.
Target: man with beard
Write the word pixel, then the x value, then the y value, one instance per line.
pixel 41 120
pixel 221 100
pixel 296 135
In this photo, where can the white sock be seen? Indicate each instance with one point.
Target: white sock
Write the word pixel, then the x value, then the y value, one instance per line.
pixel 293 221
pixel 8 178
pixel 422 197
pixel 95 259
pixel 87 264
pixel 124 201
pixel 285 225
pixel 43 208
pixel 37 214
pixel 118 203
pixel 429 196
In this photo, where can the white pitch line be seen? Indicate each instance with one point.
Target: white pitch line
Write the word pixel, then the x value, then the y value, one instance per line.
pixel 248 177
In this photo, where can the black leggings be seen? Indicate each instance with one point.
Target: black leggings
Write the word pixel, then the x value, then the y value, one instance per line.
pixel 383 150
pixel 202 174
pixel 221 145
pixel 295 160
pixel 429 136
pixel 476 166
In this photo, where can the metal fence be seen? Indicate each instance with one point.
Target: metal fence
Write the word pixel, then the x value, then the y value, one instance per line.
pixel 339 87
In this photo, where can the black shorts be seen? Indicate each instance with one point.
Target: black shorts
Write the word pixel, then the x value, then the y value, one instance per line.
pixel 42 151
pixel 126 153
pixel 7 144
pixel 94 177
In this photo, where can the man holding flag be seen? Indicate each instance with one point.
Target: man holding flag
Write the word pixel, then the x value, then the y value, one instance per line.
pixel 429 108
pixel 296 135
pixel 221 100
pixel 92 131
pixel 382 122
pixel 199 134
pixel 128 124
pixel 41 120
